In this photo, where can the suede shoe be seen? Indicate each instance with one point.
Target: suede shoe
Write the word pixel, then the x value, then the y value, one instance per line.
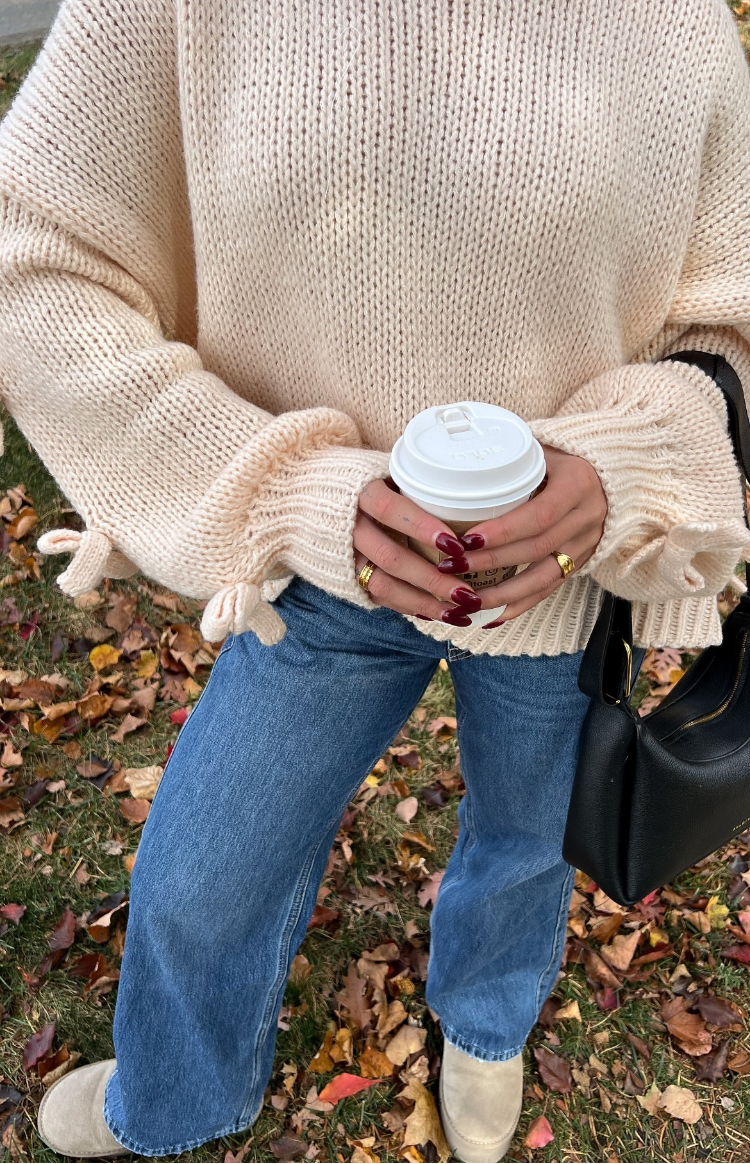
pixel 71 1115
pixel 480 1105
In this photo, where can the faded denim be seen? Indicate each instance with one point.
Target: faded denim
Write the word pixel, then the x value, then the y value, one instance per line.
pixel 236 843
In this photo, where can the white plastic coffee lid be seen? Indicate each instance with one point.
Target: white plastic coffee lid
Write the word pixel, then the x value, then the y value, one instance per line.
pixel 466 455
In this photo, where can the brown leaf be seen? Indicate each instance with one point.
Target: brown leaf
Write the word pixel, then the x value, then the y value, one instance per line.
pixel 710 1068
pixel 689 1030
pixel 38 1046
pixel 373 1064
pixel 122 608
pixel 410 758
pixel 11 811
pixel 10 758
pixel 720 1013
pixel 352 999
pixel 606 927
pixel 130 724
pixel 443 727
pixel 621 950
pixel 429 889
pixel 94 706
pixel 134 810
pixel 322 1063
pixel 288 1147
pixel 423 1125
pixel 300 969
pixel 554 1070
pixel 63 935
pixel 596 968
pixel 640 1047
pixel 740 1062
pixel 407 1041
pixel 22 523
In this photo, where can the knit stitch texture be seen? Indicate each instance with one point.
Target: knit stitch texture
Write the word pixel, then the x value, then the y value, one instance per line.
pixel 241 245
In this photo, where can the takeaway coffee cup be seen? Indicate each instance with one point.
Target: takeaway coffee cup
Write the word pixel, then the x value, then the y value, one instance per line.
pixel 466 463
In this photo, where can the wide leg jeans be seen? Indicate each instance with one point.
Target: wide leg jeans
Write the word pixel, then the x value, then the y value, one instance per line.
pixel 236 843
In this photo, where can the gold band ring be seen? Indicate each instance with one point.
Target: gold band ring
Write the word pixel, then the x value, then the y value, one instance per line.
pixel 565 562
pixel 365 574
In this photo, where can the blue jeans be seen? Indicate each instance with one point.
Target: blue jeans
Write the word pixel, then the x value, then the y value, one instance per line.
pixel 236 844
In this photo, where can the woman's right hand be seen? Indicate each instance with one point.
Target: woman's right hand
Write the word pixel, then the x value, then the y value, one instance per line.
pixel 403 580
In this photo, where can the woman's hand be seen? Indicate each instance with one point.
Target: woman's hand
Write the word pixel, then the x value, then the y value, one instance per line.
pixel 403 580
pixel 567 517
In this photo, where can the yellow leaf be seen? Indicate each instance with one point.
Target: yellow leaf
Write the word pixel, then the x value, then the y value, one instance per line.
pixel 322 1064
pixel 571 1010
pixel 147 663
pixel 716 914
pixel 423 1125
pixel 372 780
pixel 103 656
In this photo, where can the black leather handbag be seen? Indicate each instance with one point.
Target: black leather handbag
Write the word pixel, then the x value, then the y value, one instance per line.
pixel 654 794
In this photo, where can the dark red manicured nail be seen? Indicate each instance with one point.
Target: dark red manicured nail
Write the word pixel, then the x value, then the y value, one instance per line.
pixel 466 599
pixel 473 541
pixel 456 617
pixel 448 544
pixel 497 622
pixel 424 617
pixel 455 565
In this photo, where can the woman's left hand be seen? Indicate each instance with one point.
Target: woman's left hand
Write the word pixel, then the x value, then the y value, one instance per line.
pixel 567 517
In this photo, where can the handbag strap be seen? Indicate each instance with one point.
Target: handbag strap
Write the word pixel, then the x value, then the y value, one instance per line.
pixel 605 672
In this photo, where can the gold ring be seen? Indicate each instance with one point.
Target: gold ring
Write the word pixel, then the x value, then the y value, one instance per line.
pixel 365 574
pixel 565 562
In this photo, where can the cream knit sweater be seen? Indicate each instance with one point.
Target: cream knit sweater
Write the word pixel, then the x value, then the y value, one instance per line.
pixel 242 244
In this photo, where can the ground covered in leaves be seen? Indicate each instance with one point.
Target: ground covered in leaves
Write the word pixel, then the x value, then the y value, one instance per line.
pixel 641 1054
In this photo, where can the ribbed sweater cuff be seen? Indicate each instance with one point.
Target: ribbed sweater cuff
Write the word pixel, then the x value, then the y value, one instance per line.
pixel 672 528
pixel 307 517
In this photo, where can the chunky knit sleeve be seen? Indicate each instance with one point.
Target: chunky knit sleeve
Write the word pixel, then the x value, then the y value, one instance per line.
pixel 173 472
pixel 657 432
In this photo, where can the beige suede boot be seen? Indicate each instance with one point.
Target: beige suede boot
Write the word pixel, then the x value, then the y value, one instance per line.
pixel 480 1105
pixel 71 1115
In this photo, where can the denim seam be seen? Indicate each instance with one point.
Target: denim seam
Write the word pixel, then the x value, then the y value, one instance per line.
pixel 562 915
pixel 451 1036
pixel 293 917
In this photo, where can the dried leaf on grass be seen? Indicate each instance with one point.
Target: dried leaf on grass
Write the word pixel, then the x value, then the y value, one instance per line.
pixel 710 1068
pixel 554 1070
pixel 143 782
pixel 689 1030
pixel 135 810
pixel 423 1125
pixel 407 1041
pixel 681 1103
pixel 621 950
pixel 38 1046
pixel 539 1134
pixel 344 1085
